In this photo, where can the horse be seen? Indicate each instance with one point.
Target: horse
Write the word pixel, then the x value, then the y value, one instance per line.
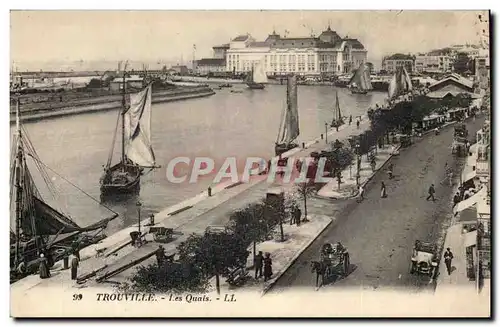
pixel 320 269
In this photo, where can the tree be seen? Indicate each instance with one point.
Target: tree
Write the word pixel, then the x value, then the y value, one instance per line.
pixel 250 224
pixel 172 277
pixel 215 253
pixel 305 190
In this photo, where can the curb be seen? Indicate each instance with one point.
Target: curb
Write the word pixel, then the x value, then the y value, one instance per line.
pixel 294 258
pixel 362 184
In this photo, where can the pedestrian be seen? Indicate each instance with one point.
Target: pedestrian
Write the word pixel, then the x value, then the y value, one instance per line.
pixel 361 193
pixel 448 256
pixel 74 261
pixel 431 193
pixel 350 120
pixel 383 192
pixel 151 220
pixel 297 214
pixel 456 199
pixel 160 256
pixel 357 124
pixel 43 267
pixel 268 267
pixel 209 191
pixel 259 262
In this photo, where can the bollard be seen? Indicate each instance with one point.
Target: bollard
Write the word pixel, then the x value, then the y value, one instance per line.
pixel 66 263
pixel 321 136
pixel 209 191
pixel 303 145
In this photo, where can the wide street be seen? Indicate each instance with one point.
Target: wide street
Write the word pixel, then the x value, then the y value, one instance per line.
pixel 380 232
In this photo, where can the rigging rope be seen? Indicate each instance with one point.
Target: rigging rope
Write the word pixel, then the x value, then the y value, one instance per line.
pixel 81 190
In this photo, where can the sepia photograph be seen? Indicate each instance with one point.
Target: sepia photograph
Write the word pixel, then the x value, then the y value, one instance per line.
pixel 250 163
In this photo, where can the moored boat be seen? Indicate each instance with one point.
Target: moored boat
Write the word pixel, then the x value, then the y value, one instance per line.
pixel 360 82
pixel 137 152
pixel 40 227
pixel 289 126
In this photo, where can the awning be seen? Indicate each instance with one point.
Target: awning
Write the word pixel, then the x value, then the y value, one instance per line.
pixel 467 203
pixel 471 238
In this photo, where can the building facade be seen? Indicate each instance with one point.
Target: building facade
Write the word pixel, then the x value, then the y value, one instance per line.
pixel 328 54
pixel 210 65
pixel 391 63
pixel 433 63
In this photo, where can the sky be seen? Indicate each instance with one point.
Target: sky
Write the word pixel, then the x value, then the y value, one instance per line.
pixel 40 39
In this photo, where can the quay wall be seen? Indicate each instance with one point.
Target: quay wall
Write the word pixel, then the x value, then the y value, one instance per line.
pixel 107 103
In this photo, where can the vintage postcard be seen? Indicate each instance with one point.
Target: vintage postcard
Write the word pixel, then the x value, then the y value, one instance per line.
pixel 250 164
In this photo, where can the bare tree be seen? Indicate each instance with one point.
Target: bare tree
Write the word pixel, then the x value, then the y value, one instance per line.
pixel 305 190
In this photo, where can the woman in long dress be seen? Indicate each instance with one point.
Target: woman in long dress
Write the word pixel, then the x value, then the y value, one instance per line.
pixel 44 267
pixel 383 193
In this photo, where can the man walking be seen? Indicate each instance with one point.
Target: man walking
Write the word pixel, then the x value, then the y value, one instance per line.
pixel 431 193
pixel 448 256
pixel 259 263
pixel 361 193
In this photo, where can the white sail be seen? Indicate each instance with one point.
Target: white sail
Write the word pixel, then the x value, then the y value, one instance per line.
pixel 367 78
pixel 361 79
pixel 259 74
pixel 393 86
pixel 291 125
pixel 138 129
pixel 408 80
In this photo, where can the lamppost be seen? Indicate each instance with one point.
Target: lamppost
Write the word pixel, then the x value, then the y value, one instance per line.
pixel 139 204
pixel 357 163
pixel 326 132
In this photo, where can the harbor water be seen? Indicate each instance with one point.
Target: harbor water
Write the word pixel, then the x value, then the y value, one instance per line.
pixel 224 125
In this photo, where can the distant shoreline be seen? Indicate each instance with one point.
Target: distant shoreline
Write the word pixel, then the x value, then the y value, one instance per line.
pixel 107 103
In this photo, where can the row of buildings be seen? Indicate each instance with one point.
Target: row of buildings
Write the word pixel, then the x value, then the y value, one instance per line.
pixel 436 61
pixel 327 54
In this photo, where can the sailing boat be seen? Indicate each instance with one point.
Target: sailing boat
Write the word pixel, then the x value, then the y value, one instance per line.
pixel 257 77
pixel 289 127
pixel 337 120
pixel 137 152
pixel 360 83
pixel 400 84
pixel 39 227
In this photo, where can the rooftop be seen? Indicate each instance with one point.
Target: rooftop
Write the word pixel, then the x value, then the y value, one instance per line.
pixel 400 56
pixel 222 46
pixel 211 62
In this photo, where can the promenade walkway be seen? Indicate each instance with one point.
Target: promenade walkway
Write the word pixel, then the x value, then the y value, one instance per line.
pixel 191 216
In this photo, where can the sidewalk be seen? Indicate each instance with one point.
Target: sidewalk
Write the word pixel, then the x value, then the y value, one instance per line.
pixel 283 254
pixel 446 284
pixel 348 187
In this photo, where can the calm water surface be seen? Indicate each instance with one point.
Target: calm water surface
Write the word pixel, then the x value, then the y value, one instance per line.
pixel 225 124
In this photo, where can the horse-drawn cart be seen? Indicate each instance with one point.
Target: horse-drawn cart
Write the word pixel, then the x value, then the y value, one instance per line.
pixel 333 261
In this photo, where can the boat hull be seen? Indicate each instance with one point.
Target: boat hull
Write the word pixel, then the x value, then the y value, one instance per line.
pixel 121 179
pixel 355 91
pixel 255 86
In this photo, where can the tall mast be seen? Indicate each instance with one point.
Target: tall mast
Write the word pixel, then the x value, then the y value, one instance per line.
pixel 124 109
pixel 19 191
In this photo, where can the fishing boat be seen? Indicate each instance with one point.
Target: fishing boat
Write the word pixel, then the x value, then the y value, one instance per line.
pixel 360 82
pixel 40 228
pixel 337 120
pixel 289 126
pixel 136 150
pixel 400 84
pixel 257 77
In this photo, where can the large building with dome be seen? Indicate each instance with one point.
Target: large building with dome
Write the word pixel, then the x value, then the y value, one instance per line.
pixel 327 54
